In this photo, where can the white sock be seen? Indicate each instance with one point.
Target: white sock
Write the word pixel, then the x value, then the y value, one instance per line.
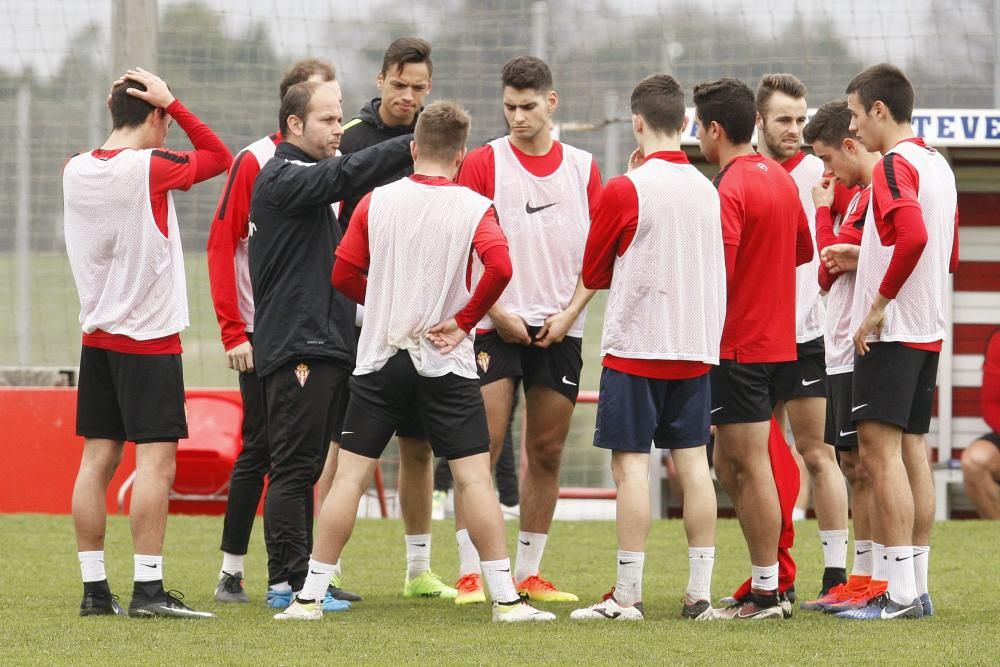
pixel 798 514
pixel 764 578
pixel 628 585
pixel 281 586
pixel 863 558
pixel 317 581
pixel 880 569
pixel 498 580
pixel 701 560
pixel 834 548
pixel 530 547
pixel 337 570
pixel 468 557
pixel 921 563
pixel 418 555
pixel 902 582
pixel 148 568
pixel 92 566
pixel 231 564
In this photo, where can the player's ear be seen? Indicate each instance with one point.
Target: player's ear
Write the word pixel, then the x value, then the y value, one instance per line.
pixel 552 101
pixel 880 111
pixel 379 80
pixel 684 124
pixel 849 146
pixel 637 124
pixel 759 120
pixel 413 150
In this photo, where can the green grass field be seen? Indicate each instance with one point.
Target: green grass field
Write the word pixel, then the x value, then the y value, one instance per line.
pixel 39 580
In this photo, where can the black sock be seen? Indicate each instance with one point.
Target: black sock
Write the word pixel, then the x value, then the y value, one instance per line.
pixel 101 587
pixel 833 576
pixel 149 589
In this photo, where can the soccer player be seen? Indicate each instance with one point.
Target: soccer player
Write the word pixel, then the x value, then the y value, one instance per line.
pixel 661 338
pixel 403 83
pixel 847 163
pixel 415 359
pixel 766 235
pixel 545 193
pixel 981 459
pixel 124 248
pixel 801 387
pixel 899 319
pixel 304 342
pixel 229 276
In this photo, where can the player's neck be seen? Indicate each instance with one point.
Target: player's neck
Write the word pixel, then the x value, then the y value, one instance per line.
pixel 658 143
pixel 137 138
pixel 434 169
pixel 766 152
pixel 729 152
pixel 867 166
pixel 895 133
pixel 540 144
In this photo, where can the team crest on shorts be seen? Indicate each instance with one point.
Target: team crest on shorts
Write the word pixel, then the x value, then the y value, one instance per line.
pixel 483 359
pixel 302 374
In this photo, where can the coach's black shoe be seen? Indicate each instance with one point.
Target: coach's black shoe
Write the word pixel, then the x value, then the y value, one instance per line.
pixel 339 593
pixel 166 604
pixel 98 600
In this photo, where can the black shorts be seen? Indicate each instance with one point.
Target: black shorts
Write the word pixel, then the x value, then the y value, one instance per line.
pixel 805 377
pixel 635 411
pixel 894 384
pixel 557 366
pixel 744 393
pixel 449 408
pixel 409 428
pixel 840 429
pixel 135 397
pixel 993 437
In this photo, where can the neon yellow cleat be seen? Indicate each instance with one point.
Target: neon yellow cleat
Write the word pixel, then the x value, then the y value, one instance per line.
pixel 537 589
pixel 428 585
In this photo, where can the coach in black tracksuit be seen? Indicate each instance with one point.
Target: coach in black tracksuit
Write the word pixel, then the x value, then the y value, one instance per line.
pixel 304 344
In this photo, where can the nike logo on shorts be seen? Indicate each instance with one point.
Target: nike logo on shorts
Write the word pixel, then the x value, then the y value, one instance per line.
pixel 844 435
pixel 714 410
pixel 565 381
pixel 810 382
pixel 858 407
pixel 347 433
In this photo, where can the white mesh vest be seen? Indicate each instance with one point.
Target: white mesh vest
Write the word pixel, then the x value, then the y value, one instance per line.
pixel 129 277
pixel 918 313
pixel 419 237
pixel 838 338
pixel 668 292
pixel 262 150
pixel 546 246
pixel 809 309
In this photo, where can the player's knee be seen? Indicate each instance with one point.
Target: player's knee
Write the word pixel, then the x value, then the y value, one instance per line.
pixel 544 456
pixel 974 460
pixel 417 455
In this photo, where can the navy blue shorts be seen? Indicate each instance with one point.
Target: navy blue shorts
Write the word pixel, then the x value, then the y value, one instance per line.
pixel 634 411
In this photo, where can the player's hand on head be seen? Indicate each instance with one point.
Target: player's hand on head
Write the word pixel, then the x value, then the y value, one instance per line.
pixel 156 92
pixel 636 159
pixel 822 192
pixel 446 335
pixel 555 329
pixel 840 258
pixel 240 358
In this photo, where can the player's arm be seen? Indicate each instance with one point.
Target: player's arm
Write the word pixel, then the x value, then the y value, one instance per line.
pixel 229 226
pixel 612 228
pixel 354 256
pixel 337 178
pixel 733 214
pixel 953 264
pixel 803 240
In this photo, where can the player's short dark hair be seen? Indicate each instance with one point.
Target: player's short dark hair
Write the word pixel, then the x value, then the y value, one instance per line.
pixel 730 103
pixel 407 50
pixel 831 124
pixel 789 84
pixel 526 73
pixel 442 130
pixel 128 110
pixel 303 69
pixel 296 102
pixel 888 84
pixel 659 99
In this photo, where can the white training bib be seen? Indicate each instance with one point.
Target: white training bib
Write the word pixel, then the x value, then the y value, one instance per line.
pixel 809 309
pixel 838 338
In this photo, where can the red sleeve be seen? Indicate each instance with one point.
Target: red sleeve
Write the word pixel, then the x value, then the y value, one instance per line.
pixel 731 252
pixel 594 188
pixel 212 156
pixel 497 271
pixel 953 264
pixel 850 232
pixel 911 237
pixel 895 184
pixel 349 279
pixel 354 246
pixel 803 242
pixel 990 393
pixel 612 229
pixel 733 214
pixel 824 228
pixel 488 233
pixel 477 171
pixel 229 227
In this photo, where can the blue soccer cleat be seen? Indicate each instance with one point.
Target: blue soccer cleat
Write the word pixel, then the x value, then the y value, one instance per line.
pixel 278 599
pixel 330 603
pixel 928 606
pixel 883 608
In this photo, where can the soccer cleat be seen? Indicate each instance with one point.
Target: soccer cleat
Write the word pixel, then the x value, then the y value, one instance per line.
pixel 230 588
pixel 101 602
pixel 166 604
pixel 884 608
pixel 301 611
pixel 860 599
pixel 519 612
pixel 428 585
pixel 537 589
pixel 331 604
pixel 856 585
pixel 696 610
pixel 278 599
pixel 926 604
pixel 341 594
pixel 609 609
pixel 756 606
pixel 470 589
pixel 786 600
